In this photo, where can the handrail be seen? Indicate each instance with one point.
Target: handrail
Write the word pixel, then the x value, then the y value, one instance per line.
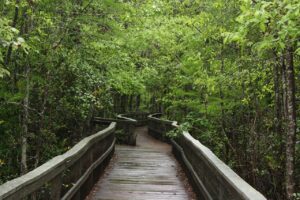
pixel 104 121
pixel 211 177
pixel 123 117
pixel 126 123
pixel 156 117
pixel 159 127
pixel 79 163
pixel 141 118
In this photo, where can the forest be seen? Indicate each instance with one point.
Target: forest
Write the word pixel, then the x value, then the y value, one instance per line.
pixel 228 71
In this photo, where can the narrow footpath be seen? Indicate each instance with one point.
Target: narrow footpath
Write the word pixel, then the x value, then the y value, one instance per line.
pixel 148 171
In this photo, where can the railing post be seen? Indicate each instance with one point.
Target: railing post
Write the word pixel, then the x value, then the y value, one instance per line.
pixel 132 134
pixel 86 160
pixel 76 172
pixel 55 187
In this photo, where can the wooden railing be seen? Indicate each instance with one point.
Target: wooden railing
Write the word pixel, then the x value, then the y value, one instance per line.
pixel 67 176
pixel 159 127
pixel 211 178
pixel 127 123
pixel 73 174
pixel 140 117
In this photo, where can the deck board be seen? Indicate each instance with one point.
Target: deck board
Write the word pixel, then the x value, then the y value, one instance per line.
pixel 145 172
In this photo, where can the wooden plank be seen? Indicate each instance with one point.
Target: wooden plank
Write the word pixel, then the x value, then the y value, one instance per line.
pixel 147 171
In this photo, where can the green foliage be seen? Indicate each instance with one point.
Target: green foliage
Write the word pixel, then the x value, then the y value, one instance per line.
pixel 210 64
pixel 177 132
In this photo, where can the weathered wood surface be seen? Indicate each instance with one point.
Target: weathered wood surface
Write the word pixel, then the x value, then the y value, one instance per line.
pixel 145 172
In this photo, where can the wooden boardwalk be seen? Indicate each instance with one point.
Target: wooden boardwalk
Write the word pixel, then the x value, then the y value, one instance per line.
pixel 145 172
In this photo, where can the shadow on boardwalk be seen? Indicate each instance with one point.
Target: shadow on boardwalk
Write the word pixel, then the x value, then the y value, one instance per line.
pixel 148 171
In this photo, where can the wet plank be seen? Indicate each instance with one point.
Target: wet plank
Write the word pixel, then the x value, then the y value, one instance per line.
pixel 145 172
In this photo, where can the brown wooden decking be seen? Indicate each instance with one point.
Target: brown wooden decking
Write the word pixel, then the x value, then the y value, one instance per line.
pixel 145 172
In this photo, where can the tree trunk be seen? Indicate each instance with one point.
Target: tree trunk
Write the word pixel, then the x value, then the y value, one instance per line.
pixel 291 125
pixel 152 104
pixel 115 100
pixel 221 93
pixel 130 103
pixel 279 120
pixel 42 122
pixel 284 88
pixel 138 102
pixel 123 103
pixel 14 24
pixel 87 127
pixel 24 144
pixel 277 99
